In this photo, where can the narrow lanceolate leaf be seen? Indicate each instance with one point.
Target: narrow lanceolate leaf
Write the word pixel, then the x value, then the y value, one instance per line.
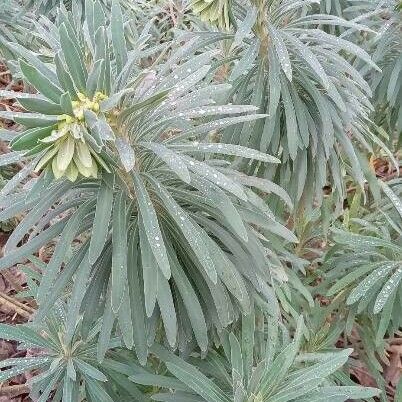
pixel 118 38
pixel 96 391
pixel 219 199
pixel 32 120
pixel 126 153
pixel 119 255
pixel 41 82
pixel 151 225
pixel 171 158
pixel 203 111
pixel 73 59
pixel 103 212
pixel 266 186
pixel 367 283
pixel 396 201
pixel 124 318
pixel 90 370
pixel 390 286
pixel 198 382
pixel 220 124
pixel 20 369
pixel 10 157
pixel 282 52
pixel 63 245
pixel 150 272
pixel 22 333
pixel 33 245
pixel 20 361
pixel 190 301
pixel 310 58
pixel 236 360
pixel 226 149
pixel 136 300
pixel 77 295
pixel 215 176
pixel 189 230
pixel 106 329
pixel 340 394
pixel 167 309
pixel 40 106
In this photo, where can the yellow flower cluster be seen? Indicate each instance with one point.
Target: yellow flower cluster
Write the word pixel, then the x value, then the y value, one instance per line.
pixel 213 11
pixel 68 154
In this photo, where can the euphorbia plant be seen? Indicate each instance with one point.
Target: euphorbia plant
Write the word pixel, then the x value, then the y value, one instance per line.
pixel 316 101
pixel 126 163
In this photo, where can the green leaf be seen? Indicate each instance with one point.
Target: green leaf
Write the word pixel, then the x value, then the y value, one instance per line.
pixel 75 300
pixel 136 301
pixel 215 176
pixel 119 254
pixel 189 230
pixel 30 138
pixel 100 229
pixel 151 225
pixel 367 283
pixel 10 158
pixel 73 60
pixel 64 244
pixel 41 106
pixel 247 343
pixel 281 51
pixel 96 391
pixel 94 77
pixel 89 370
pixel 198 382
pixel 22 333
pixel 190 301
pixel 389 287
pixel 173 160
pixel 150 271
pixel 157 380
pixel 226 149
pixel 41 82
pixel 118 37
pixel 167 309
pixel 396 201
pixel 33 245
pixel 126 153
pixel 124 318
pixel 108 320
pixel 220 200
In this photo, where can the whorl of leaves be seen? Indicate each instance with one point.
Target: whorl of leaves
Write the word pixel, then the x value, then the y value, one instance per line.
pixel 168 227
pixel 317 103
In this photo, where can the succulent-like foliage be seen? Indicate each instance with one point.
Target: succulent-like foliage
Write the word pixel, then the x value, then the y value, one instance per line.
pixel 215 12
pixel 168 226
pixel 157 143
pixel 254 366
pixel 366 263
pixel 317 103
pixel 384 46
pixel 67 370
pixel 386 49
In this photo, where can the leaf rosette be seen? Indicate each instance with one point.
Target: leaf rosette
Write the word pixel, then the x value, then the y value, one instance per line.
pixel 172 235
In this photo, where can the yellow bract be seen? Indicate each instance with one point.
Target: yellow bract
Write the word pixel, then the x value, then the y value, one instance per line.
pixel 84 103
pixel 255 398
pixel 68 154
pixel 213 11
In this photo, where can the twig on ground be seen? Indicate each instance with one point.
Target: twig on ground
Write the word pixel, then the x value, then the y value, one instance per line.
pixel 20 308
